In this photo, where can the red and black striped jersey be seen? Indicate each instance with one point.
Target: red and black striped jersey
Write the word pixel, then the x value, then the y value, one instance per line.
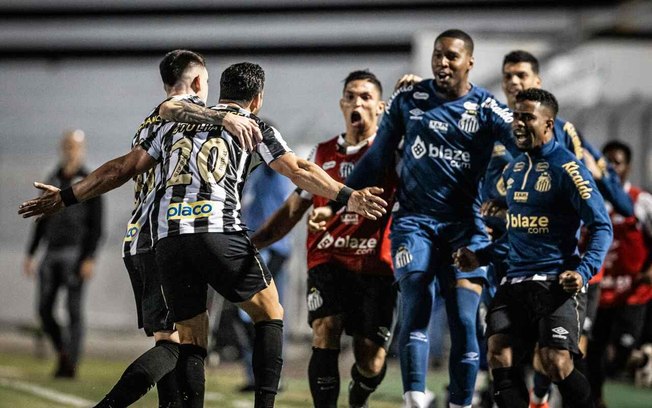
pixel 350 240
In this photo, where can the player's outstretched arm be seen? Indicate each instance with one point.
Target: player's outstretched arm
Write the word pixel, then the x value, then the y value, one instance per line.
pixel 312 178
pixel 107 177
pixel 246 130
pixel 282 221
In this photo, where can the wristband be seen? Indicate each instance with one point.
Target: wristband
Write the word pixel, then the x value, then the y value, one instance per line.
pixel 68 197
pixel 344 194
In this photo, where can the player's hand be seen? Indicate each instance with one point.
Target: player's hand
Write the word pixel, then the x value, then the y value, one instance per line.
pixel 571 281
pixel 493 208
pixel 367 203
pixel 407 80
pixel 244 129
pixel 47 204
pixel 592 165
pixel 29 267
pixel 86 269
pixel 465 260
pixel 318 218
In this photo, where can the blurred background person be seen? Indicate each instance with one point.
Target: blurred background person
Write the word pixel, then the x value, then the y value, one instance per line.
pixel 626 286
pixel 71 238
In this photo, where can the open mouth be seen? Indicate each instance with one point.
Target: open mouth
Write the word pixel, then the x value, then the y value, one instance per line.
pixel 443 76
pixel 356 118
pixel 520 135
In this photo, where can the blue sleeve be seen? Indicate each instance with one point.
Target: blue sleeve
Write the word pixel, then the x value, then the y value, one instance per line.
pixel 587 201
pixel 501 124
pixel 495 252
pixel 372 167
pixel 610 186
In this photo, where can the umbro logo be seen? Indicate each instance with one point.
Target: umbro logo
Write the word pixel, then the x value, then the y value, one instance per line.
pixel 560 333
pixel 416 113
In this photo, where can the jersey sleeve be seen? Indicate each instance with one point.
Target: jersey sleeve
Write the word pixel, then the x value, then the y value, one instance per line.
pixel 372 167
pixel 273 145
pixel 586 199
pixel 306 195
pixel 500 120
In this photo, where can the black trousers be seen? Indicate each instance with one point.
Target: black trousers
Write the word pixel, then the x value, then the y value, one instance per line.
pixel 60 270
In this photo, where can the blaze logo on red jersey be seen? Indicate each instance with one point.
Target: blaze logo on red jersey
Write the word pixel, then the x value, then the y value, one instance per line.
pixel 356 243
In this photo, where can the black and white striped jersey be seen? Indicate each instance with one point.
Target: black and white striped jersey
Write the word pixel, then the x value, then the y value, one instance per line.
pixel 138 237
pixel 204 171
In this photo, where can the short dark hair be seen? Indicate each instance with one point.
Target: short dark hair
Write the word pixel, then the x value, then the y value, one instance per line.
pixel 175 63
pixel 460 35
pixel 618 145
pixel 365 75
pixel 242 82
pixel 539 95
pixel 518 56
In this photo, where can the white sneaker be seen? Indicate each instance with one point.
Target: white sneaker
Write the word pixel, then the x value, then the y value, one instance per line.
pixel 415 399
pixel 643 376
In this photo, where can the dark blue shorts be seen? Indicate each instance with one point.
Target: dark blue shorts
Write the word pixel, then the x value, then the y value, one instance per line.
pixel 420 243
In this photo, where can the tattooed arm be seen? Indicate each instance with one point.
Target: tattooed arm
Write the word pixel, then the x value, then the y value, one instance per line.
pixel 244 129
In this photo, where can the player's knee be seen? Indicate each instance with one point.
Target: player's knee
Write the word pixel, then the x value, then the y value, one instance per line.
pixel 172 336
pixel 498 353
pixel 556 363
pixel 326 332
pixel 371 367
pixel 194 330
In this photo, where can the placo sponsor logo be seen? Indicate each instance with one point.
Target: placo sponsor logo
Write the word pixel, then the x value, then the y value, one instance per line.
pixel 132 231
pixel 198 209
pixel 328 165
pixel 583 186
pixel 534 224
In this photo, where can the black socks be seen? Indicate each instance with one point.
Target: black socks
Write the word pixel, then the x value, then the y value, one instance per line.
pixel 142 374
pixel 324 377
pixel 267 361
pixel 361 387
pixel 191 375
pixel 510 390
pixel 575 390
